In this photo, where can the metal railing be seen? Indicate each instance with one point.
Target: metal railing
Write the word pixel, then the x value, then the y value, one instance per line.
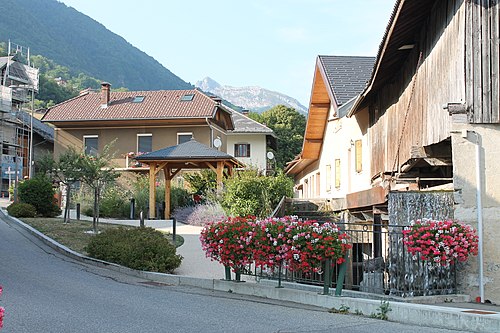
pixel 377 263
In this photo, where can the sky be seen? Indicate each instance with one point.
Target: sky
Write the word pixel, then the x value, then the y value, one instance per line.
pixel 268 43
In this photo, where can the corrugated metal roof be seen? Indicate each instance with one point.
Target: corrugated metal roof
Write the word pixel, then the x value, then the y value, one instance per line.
pixel 347 75
pixel 191 150
pixel 160 104
pixel 40 128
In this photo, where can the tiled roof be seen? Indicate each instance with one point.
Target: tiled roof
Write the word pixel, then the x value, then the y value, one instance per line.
pixel 159 104
pixel 347 75
pixel 191 150
pixel 244 124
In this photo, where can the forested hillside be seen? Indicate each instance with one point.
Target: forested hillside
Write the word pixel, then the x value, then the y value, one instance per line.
pixel 76 41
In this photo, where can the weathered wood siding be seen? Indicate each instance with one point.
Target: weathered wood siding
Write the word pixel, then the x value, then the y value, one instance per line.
pixel 482 60
pixel 395 128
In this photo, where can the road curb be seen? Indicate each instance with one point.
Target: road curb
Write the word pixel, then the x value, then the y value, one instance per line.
pixel 406 313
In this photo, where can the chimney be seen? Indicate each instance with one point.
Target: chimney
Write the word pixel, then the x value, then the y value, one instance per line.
pixel 105 92
pixel 216 99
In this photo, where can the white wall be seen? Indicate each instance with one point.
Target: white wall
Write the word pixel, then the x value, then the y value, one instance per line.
pixel 337 145
pixel 258 148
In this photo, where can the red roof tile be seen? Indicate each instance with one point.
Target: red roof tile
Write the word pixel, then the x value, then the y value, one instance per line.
pixel 160 104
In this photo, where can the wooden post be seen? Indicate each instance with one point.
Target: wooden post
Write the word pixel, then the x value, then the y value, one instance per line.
pixel 152 197
pixel 168 188
pixel 220 172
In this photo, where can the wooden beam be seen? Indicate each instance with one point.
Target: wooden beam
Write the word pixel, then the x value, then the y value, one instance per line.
pixel 159 167
pixel 219 171
pixel 172 175
pixel 211 167
pixel 152 183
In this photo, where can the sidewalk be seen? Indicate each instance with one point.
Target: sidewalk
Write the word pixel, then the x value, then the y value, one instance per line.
pixel 194 264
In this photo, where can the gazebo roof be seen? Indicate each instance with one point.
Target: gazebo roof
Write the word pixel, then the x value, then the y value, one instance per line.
pixel 191 150
pixel 187 155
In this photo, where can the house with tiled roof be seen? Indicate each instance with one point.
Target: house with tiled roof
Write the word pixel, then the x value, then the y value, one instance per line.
pixel 333 161
pixel 250 141
pixel 138 122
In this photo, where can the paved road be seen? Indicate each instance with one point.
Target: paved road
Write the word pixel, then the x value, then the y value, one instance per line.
pixel 47 292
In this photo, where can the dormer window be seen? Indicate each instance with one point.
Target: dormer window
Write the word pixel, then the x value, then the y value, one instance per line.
pixel 138 99
pixel 187 97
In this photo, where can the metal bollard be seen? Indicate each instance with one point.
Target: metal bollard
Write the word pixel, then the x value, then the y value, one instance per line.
pixel 327 277
pixel 132 208
pixel 141 219
pixel 174 227
pixel 78 211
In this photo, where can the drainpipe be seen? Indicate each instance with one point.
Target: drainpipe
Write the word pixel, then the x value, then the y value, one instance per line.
pixel 479 203
pixel 211 132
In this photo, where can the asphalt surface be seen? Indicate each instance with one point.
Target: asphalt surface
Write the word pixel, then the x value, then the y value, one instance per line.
pixel 45 291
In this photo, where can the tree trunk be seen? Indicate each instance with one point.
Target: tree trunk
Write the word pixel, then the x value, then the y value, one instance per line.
pixel 66 208
pixel 94 220
pixel 98 205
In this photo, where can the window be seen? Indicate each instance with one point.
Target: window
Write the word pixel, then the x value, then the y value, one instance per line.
pixel 242 150
pixel 187 97
pixel 184 137
pixel 328 178
pixel 144 143
pixel 90 144
pixel 358 155
pixel 337 173
pixel 138 99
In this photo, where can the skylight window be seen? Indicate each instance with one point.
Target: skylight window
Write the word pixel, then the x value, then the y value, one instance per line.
pixel 187 97
pixel 138 99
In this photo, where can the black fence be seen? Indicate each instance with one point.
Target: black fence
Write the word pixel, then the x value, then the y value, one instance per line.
pixel 377 263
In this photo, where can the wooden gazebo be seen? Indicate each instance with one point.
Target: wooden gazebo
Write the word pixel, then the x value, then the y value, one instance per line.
pixel 188 155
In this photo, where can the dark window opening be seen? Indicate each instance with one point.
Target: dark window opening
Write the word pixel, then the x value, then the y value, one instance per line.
pixel 144 144
pixel 91 144
pixel 182 138
pixel 242 150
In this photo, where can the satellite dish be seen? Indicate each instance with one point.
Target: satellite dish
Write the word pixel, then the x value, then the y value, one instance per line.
pixel 217 143
pixel 270 155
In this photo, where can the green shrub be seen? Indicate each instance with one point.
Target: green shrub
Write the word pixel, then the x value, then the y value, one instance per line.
pixel 245 194
pixel 38 192
pixel 115 202
pixel 202 181
pixel 139 248
pixel 179 197
pixel 21 210
pixel 249 193
pixel 279 186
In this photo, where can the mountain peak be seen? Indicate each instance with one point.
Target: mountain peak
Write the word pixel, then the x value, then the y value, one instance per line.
pixel 207 84
pixel 253 98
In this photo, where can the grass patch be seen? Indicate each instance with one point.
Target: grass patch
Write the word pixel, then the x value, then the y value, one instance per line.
pixel 74 234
